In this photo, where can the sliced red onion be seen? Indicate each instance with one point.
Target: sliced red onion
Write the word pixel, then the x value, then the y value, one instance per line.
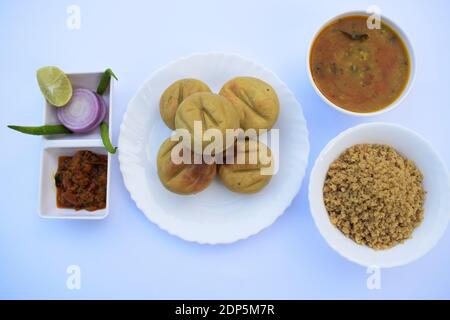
pixel 84 112
pixel 104 108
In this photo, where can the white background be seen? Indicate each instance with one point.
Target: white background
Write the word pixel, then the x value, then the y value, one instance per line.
pixel 126 256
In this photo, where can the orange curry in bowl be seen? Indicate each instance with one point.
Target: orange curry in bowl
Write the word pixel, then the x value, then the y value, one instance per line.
pixel 359 69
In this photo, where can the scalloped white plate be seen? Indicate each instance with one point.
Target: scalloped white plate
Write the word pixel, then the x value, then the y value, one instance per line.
pixel 436 184
pixel 215 215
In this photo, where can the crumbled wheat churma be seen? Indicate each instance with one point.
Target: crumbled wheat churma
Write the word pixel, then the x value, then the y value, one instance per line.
pixel 374 195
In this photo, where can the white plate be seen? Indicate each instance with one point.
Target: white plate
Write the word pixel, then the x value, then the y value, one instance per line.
pixel 436 184
pixel 215 215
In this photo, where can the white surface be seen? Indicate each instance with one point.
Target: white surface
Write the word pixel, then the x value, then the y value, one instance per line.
pixel 55 146
pixel 412 61
pixel 436 184
pixel 125 255
pixel 215 215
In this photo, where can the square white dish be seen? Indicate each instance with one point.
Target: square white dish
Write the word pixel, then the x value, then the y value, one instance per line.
pixel 49 166
pixel 67 145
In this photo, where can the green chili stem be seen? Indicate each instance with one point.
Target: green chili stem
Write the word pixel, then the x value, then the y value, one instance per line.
pixel 104 132
pixel 42 130
pixel 104 81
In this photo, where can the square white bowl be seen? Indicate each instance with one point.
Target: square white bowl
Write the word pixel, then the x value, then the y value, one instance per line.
pixel 88 80
pixel 49 166
pixel 67 145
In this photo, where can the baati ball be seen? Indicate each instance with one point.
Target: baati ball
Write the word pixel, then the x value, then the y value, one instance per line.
pixel 174 95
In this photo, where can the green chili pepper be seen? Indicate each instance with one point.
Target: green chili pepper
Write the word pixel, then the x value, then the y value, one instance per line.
pixel 104 81
pixel 104 132
pixel 42 130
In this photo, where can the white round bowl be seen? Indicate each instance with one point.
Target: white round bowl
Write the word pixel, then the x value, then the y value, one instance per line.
pixel 436 184
pixel 412 59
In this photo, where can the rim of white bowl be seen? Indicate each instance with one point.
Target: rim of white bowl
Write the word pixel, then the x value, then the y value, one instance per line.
pixel 406 41
pixel 315 215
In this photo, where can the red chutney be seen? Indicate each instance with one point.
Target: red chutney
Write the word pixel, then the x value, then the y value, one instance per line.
pixel 359 69
pixel 81 181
